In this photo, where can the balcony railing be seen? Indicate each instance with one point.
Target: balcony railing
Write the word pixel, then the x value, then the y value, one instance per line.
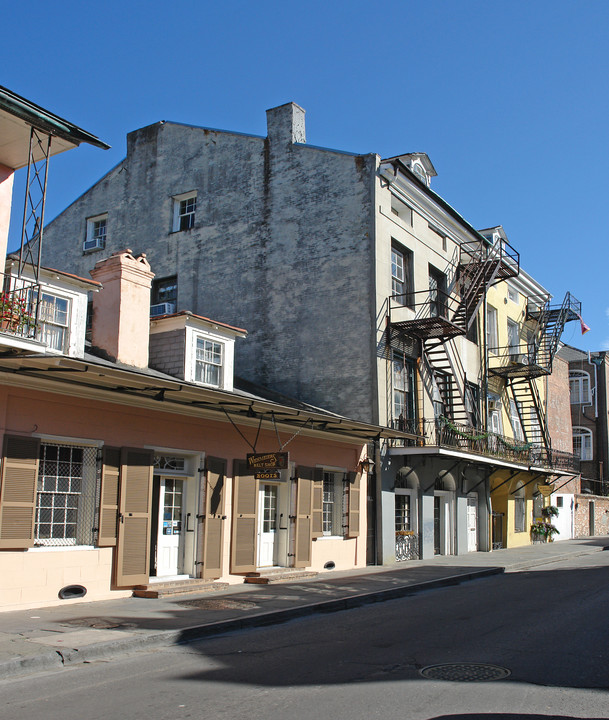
pixel 444 433
pixel 426 313
pixel 19 311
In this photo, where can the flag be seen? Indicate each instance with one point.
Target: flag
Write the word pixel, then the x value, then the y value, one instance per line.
pixel 584 327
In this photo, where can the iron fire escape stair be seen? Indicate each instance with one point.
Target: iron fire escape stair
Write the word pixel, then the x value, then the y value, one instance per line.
pixel 534 424
pixel 450 380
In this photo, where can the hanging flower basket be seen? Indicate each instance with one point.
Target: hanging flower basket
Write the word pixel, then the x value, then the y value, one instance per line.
pixel 550 511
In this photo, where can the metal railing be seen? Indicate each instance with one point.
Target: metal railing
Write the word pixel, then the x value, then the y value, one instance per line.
pixel 19 309
pixel 426 304
pixel 444 433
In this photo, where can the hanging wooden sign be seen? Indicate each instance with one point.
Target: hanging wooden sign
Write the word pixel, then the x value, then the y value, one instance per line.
pixel 267 461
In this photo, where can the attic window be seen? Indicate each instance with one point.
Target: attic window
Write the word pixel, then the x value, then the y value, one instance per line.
pixel 209 362
pixel 401 210
pixel 418 170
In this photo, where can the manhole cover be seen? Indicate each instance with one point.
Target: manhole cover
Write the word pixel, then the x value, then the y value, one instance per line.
pixel 219 604
pixel 464 672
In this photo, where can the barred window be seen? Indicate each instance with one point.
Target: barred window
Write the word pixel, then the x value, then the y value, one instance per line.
pixel 402 512
pixel 68 495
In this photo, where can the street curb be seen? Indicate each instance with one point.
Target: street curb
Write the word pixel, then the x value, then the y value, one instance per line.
pixel 100 651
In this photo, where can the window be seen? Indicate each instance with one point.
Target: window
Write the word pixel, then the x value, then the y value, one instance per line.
pixel 472 402
pixel 67 495
pixel 184 209
pixel 53 316
pixel 515 422
pixel 418 170
pixel 402 513
pixel 492 342
pixel 335 504
pixel 401 274
pixel 208 362
pixel 441 395
pixel 520 516
pixel 96 233
pixel 494 414
pixel 401 210
pixel 403 391
pixel 582 443
pixel 512 294
pixel 579 386
pixel 437 292
pixel 513 332
pixel 165 292
pixel 559 501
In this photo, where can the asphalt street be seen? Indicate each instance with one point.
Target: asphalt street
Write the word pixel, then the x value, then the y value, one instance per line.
pixel 543 630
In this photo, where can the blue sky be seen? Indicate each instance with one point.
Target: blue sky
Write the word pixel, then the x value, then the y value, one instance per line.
pixel 509 99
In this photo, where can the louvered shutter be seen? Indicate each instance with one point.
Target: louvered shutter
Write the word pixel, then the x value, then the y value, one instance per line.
pixel 354 501
pixel 135 496
pixel 213 527
pixel 318 503
pixel 108 508
pixel 18 491
pixel 304 516
pixel 245 531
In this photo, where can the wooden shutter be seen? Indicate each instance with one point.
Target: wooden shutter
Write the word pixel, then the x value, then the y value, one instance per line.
pixel 135 500
pixel 354 498
pixel 213 527
pixel 245 520
pixel 318 503
pixel 108 508
pixel 304 516
pixel 18 491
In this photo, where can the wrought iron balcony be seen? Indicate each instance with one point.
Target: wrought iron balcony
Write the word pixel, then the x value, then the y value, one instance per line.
pixel 444 433
pixel 19 311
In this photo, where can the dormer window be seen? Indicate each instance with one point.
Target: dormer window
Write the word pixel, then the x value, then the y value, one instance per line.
pixel 209 362
pixel 418 170
pixel 53 316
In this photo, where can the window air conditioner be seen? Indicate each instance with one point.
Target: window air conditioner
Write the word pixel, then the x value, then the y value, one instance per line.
pixel 494 405
pixel 97 243
pixel 162 309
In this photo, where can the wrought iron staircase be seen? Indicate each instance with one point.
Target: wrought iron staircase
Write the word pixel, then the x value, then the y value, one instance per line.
pixel 458 401
pixel 533 423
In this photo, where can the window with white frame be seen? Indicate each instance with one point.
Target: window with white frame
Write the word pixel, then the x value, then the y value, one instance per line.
pixel 184 211
pixel 512 294
pixel 401 274
pixel 97 228
pixel 67 495
pixel 209 361
pixel 582 443
pixel 492 341
pixel 403 515
pixel 513 332
pixel 53 318
pixel 579 387
pixel 335 503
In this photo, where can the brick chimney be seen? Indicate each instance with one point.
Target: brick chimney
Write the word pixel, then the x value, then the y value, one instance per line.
pixel 286 124
pixel 121 310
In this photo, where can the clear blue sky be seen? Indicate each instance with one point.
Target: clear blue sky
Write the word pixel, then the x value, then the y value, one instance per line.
pixel 510 99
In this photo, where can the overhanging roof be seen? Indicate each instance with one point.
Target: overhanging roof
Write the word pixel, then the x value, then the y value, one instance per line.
pixel 96 378
pixel 18 115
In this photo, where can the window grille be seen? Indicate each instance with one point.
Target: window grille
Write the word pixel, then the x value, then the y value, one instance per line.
pixel 67 500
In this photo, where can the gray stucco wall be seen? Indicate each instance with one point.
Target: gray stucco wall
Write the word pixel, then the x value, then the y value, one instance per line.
pixel 282 246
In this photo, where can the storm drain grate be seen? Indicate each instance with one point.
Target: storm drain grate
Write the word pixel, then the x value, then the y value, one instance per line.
pixel 464 672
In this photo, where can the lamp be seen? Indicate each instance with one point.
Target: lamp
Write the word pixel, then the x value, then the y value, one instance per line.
pixel 366 465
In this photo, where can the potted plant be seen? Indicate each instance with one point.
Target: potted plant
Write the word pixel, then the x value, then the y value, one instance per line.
pixel 14 314
pixel 543 531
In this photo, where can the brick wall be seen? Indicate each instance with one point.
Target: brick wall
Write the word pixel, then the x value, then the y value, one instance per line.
pixel 582 515
pixel 559 406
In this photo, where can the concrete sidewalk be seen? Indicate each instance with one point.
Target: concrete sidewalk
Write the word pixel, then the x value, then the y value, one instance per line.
pixel 48 638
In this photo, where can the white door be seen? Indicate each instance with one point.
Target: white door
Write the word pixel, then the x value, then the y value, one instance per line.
pixel 472 524
pixel 267 524
pixel 169 543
